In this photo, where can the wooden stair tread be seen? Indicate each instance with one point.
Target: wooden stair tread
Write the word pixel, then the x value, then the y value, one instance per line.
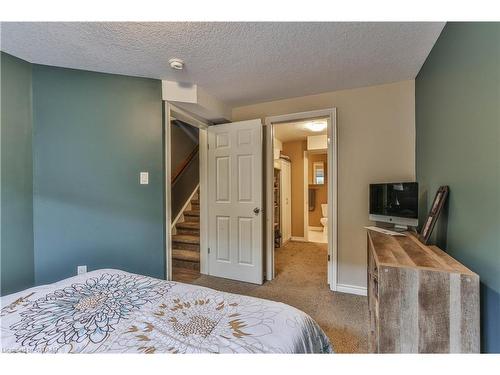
pixel 185 238
pixel 189 225
pixel 186 244
pixel 185 275
pixel 188 255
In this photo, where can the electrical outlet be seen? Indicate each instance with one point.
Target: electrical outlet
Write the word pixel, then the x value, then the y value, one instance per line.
pixel 81 269
pixel 144 178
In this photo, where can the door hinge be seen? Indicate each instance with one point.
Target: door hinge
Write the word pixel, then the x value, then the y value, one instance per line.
pixel 328 257
pixel 209 250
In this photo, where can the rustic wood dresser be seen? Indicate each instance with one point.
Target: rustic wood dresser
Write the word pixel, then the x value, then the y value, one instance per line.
pixel 421 300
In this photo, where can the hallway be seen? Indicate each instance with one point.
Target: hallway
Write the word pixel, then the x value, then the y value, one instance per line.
pixel 301 281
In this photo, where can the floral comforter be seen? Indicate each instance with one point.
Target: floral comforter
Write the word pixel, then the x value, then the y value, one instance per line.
pixel 118 312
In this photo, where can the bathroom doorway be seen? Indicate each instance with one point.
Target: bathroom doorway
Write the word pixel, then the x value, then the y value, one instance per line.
pixel 301 183
pixel 316 195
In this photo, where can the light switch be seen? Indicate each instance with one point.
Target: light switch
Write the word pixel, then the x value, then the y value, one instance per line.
pixel 81 269
pixel 144 178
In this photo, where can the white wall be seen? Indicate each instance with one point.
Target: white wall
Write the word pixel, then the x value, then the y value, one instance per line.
pixel 376 129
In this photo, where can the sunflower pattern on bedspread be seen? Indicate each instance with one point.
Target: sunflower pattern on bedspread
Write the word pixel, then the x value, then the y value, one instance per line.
pixel 118 312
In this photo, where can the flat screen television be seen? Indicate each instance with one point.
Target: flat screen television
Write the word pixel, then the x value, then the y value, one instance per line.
pixel 396 203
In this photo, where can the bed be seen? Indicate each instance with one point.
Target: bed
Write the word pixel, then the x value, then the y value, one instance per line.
pixel 113 311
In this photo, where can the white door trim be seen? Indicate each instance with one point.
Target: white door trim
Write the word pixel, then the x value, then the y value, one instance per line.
pixel 332 188
pixel 171 111
pixel 333 207
pixel 204 269
pixel 306 195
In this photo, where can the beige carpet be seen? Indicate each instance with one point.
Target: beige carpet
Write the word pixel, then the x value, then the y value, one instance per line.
pixel 301 281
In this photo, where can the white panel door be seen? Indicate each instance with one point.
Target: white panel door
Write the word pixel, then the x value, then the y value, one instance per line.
pixel 235 201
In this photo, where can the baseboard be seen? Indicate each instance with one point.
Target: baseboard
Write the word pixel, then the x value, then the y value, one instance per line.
pixel 319 229
pixel 299 239
pixel 352 289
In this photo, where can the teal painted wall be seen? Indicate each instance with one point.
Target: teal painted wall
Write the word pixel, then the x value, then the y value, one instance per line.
pixel 93 134
pixel 16 255
pixel 458 144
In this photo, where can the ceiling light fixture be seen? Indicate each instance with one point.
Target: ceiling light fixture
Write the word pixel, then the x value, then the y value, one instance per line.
pixel 176 64
pixel 316 126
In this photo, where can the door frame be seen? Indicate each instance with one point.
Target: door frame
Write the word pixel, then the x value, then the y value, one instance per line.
pixel 172 111
pixel 332 158
pixel 306 195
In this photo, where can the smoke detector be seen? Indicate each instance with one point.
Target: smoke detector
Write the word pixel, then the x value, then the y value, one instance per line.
pixel 176 64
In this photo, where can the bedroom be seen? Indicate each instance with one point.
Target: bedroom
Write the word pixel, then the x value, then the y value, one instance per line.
pixel 88 169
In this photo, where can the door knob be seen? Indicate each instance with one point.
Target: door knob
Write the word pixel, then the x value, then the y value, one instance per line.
pixel 256 211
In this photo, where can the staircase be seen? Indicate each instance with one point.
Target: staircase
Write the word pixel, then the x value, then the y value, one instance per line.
pixel 186 243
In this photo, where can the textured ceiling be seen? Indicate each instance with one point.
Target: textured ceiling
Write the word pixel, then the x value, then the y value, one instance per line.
pixel 239 63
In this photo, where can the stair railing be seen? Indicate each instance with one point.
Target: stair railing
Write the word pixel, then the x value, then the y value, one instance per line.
pixel 184 164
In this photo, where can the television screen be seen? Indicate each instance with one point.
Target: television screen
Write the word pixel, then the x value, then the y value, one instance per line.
pixel 394 199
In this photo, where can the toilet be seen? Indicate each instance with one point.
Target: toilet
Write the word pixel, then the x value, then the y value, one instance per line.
pixel 324 219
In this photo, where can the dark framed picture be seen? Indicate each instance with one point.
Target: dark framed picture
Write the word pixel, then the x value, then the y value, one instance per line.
pixel 436 208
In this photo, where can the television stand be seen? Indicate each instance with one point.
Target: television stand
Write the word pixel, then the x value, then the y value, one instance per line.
pixel 394 227
pixel 400 228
